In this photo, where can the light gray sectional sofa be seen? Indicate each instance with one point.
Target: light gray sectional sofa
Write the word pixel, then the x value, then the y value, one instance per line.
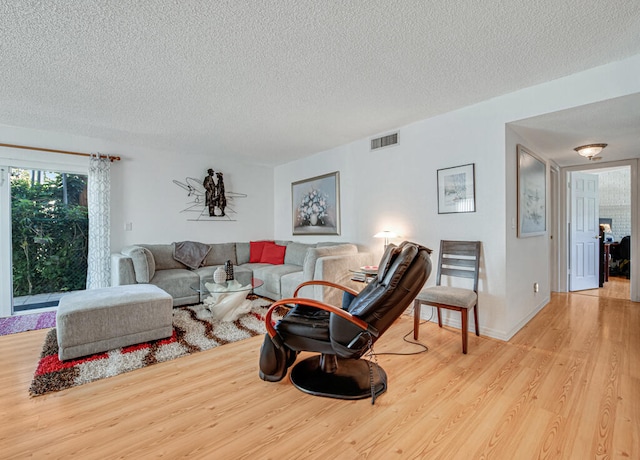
pixel 155 264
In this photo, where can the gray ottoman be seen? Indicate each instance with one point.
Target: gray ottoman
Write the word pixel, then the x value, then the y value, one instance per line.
pixel 98 320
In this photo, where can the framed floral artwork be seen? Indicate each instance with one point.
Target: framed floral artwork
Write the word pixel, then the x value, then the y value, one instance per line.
pixel 457 189
pixel 316 205
pixel 532 194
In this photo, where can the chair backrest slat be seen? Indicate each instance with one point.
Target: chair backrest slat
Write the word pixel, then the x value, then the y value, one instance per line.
pixel 459 259
pixel 454 262
pixel 458 273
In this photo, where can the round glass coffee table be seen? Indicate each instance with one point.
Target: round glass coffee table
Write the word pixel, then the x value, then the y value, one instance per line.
pixel 228 300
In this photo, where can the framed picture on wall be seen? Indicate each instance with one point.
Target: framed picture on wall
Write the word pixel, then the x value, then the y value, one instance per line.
pixel 316 205
pixel 532 194
pixel 457 189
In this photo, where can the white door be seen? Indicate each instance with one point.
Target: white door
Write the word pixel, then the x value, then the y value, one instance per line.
pixel 585 232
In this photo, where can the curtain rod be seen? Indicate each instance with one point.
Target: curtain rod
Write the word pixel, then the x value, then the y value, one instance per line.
pixel 66 152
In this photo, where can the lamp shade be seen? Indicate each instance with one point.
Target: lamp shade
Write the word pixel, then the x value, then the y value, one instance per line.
pixel 386 234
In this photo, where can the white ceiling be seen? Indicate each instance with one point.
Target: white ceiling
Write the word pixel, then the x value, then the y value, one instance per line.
pixel 276 80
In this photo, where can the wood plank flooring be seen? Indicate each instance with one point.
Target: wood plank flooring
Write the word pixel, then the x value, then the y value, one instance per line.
pixel 567 386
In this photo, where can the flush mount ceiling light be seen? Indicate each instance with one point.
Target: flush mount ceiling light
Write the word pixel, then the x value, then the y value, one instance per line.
pixel 590 151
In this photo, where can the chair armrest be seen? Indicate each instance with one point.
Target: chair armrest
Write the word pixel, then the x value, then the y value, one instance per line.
pixel 315 304
pixel 324 283
pixel 122 271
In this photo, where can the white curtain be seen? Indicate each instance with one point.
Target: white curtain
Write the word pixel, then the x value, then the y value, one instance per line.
pixel 99 257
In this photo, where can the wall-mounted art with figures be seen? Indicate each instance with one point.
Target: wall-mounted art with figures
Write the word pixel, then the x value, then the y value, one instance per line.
pixel 208 199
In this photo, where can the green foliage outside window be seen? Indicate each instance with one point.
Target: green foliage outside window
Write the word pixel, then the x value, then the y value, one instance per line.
pixel 50 223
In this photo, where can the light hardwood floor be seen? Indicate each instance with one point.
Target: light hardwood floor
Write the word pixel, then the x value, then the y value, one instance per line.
pixel 566 386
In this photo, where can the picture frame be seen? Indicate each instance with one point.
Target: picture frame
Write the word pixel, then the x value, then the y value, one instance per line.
pixel 315 205
pixel 457 189
pixel 532 193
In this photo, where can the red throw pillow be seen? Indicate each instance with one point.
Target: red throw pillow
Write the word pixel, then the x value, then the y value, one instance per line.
pixel 273 254
pixel 255 250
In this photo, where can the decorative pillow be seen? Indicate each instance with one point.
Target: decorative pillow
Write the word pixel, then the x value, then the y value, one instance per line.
pixel 255 252
pixel 273 254
pixel 144 265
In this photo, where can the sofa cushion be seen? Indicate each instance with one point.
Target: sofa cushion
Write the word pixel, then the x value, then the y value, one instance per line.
pixel 163 256
pixel 309 266
pixel 273 254
pixel 296 252
pixel 144 265
pixel 271 275
pixel 243 251
pixel 289 283
pixel 220 253
pixel 324 244
pixel 256 248
pixel 178 282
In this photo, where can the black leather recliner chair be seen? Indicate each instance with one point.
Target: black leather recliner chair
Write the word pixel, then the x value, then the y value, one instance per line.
pixel 343 335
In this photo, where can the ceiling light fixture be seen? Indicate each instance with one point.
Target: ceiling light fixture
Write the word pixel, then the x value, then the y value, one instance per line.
pixel 589 151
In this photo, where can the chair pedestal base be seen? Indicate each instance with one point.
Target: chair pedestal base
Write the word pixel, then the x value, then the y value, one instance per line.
pixel 350 380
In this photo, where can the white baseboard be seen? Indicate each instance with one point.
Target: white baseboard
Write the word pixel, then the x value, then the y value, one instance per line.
pixel 454 321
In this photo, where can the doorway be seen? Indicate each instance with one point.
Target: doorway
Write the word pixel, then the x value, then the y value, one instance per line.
pixel 49 236
pixel 614 211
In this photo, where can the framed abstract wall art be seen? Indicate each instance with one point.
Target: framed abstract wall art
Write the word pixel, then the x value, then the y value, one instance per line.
pixel 532 194
pixel 316 205
pixel 457 189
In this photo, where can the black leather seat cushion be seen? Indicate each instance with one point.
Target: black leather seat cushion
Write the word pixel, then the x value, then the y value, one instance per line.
pixel 305 328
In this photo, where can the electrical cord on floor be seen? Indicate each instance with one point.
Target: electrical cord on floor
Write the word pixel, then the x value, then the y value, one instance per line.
pixel 372 361
pixel 420 344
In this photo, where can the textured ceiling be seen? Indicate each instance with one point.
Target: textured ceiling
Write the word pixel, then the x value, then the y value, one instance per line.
pixel 276 80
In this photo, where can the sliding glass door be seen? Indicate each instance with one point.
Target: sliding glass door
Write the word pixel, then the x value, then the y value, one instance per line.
pixel 48 225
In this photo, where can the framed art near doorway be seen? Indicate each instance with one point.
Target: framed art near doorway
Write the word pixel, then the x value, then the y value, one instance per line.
pixel 532 194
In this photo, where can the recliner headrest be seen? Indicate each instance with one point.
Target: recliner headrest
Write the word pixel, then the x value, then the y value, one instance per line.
pixel 390 253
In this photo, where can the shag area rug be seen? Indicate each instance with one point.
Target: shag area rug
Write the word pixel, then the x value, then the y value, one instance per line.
pixel 193 330
pixel 23 323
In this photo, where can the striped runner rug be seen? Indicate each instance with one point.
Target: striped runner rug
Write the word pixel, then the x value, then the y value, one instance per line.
pixel 22 323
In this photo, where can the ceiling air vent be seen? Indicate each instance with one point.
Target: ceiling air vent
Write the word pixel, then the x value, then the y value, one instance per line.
pixel 384 141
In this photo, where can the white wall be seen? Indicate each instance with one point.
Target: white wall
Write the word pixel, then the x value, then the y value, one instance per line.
pixel 527 261
pixel 395 188
pixel 143 193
